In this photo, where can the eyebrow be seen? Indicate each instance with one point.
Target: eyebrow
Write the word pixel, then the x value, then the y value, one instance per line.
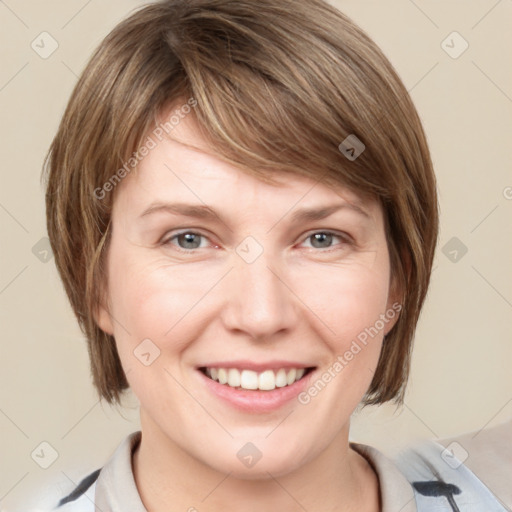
pixel 208 213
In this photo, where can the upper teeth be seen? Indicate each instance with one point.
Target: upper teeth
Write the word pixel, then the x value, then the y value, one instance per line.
pixel 248 379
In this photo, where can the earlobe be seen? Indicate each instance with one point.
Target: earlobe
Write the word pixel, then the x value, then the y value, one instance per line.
pixel 397 291
pixel 394 306
pixel 392 315
pixel 103 319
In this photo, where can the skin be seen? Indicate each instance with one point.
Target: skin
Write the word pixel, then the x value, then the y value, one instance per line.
pixel 296 301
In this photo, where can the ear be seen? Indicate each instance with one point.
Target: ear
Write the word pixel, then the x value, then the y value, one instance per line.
pixel 102 316
pixel 396 295
pixel 394 305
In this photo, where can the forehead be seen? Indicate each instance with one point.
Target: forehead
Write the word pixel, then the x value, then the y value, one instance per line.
pixel 174 171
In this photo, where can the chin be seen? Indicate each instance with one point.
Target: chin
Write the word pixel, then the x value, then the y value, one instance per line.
pixel 248 462
pixel 261 470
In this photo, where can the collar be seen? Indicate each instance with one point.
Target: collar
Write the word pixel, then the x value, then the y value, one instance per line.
pixel 396 493
pixel 116 490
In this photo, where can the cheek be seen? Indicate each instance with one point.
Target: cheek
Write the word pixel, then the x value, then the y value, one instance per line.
pixel 346 299
pixel 153 299
pixel 149 302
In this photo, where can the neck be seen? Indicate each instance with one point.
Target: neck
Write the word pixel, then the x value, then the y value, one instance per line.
pixel 339 479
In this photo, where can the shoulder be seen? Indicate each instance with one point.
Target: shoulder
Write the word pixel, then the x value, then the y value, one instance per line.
pixel 112 486
pixel 81 498
pixel 488 454
pixel 440 472
pixel 59 494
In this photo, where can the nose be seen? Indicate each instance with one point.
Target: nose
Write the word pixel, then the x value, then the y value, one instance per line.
pixel 259 299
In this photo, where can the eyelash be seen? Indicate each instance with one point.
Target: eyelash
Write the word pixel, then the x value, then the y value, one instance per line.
pixel 346 240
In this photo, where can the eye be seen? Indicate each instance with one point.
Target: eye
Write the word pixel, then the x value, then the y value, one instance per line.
pixel 186 240
pixel 324 239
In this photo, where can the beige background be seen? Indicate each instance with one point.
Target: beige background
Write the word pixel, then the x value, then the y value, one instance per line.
pixel 461 378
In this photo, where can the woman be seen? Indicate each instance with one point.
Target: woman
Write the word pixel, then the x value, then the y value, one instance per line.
pixel 243 210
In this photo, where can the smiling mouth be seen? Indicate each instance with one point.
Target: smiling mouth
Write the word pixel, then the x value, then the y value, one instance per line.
pixel 266 380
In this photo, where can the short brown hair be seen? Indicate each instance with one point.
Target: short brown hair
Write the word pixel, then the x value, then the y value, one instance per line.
pixel 278 85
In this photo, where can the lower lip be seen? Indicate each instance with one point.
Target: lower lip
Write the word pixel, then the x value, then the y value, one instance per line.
pixel 257 401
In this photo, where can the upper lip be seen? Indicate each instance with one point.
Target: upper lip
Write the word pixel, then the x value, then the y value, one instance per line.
pixel 257 367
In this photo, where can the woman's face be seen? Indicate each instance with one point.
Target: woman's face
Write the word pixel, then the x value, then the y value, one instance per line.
pixel 209 267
